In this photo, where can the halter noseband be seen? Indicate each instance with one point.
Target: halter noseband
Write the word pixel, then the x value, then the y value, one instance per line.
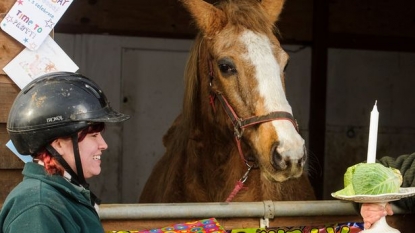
pixel 240 124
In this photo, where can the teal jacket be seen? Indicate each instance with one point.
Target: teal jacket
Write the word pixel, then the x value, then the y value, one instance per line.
pixel 47 203
pixel 406 165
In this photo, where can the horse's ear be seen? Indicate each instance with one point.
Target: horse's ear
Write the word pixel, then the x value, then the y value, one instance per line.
pixel 273 8
pixel 209 19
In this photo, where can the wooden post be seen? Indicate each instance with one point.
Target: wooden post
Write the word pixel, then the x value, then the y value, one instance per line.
pixel 10 165
pixel 318 95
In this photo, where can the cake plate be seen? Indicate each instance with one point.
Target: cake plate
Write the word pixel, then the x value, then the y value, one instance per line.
pixel 381 226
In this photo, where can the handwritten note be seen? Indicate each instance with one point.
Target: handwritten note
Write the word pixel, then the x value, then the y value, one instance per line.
pixel 31 21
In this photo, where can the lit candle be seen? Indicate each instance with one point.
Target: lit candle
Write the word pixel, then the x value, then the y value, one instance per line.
pixel 373 134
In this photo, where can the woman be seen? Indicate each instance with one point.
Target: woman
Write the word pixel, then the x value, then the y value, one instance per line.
pixel 371 213
pixel 58 120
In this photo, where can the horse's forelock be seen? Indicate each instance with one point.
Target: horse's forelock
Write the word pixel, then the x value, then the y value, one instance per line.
pixel 247 15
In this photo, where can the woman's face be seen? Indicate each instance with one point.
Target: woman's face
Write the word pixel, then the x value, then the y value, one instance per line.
pixel 90 151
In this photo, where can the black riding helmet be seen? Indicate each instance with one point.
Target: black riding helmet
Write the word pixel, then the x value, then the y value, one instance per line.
pixel 58 104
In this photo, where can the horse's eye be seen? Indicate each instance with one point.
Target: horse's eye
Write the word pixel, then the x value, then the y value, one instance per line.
pixel 227 69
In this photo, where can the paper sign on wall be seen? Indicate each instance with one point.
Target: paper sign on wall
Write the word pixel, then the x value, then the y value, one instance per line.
pixel 31 21
pixel 29 65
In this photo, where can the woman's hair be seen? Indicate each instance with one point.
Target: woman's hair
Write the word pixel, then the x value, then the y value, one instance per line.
pixel 51 164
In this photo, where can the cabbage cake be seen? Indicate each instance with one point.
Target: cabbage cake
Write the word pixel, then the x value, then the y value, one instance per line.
pixel 370 179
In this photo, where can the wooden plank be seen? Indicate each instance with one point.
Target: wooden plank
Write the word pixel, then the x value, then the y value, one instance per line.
pixel 8 92
pixel 295 15
pixel 373 18
pixel 402 222
pixel 8 180
pixel 168 19
pixel 5 5
pixel 367 42
pixel 9 47
pixel 8 160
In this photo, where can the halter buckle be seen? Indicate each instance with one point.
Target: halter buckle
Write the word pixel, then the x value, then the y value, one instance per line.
pixel 245 176
pixel 238 131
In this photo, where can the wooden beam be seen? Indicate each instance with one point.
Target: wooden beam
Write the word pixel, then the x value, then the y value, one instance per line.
pixel 370 42
pixel 356 24
pixel 318 96
pixel 164 18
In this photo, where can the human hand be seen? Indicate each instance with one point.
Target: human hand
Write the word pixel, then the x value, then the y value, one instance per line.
pixel 372 212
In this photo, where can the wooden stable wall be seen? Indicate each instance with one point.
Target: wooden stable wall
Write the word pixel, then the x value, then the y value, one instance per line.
pixel 10 165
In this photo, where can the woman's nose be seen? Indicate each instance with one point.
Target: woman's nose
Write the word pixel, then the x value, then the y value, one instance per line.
pixel 102 144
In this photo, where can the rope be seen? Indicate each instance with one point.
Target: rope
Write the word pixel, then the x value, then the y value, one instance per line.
pixel 239 185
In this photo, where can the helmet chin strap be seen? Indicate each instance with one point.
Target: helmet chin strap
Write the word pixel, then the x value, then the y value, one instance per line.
pixel 78 177
pixel 78 162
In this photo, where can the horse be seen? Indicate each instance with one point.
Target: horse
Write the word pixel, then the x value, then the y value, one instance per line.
pixel 235 138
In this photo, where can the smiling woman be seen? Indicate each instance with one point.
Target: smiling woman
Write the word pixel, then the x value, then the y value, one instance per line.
pixel 57 119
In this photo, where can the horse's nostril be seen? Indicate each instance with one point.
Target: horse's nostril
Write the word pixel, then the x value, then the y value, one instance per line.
pixel 277 161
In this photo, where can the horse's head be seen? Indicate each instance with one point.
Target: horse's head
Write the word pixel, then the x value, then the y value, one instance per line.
pixel 243 61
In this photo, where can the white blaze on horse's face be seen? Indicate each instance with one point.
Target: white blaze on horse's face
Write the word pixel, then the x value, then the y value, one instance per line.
pixel 260 53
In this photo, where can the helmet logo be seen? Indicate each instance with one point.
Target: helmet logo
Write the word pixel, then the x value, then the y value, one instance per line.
pixel 53 119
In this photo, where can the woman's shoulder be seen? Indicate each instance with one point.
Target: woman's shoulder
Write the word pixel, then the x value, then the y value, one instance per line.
pixel 34 191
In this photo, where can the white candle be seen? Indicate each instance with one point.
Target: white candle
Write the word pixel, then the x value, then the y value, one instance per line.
pixel 373 134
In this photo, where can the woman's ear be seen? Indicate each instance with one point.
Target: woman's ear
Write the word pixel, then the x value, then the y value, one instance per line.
pixel 61 145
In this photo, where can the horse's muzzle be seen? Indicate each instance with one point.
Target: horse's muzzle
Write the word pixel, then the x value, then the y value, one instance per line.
pixel 287 163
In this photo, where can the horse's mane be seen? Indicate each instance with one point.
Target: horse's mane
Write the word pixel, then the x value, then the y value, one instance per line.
pixel 192 81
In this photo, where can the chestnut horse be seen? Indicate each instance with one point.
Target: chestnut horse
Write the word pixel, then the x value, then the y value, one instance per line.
pixel 235 139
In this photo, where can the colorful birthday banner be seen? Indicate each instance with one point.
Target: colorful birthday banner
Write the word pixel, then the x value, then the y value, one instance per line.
pixel 31 21
pixel 212 226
